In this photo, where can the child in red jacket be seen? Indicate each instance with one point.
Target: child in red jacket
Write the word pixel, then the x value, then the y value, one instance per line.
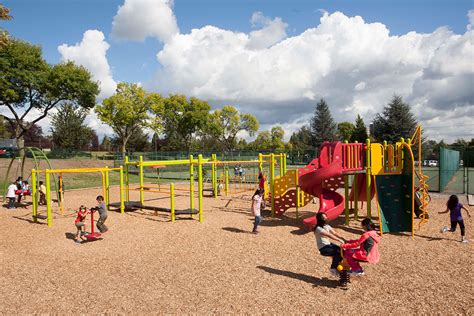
pixel 366 248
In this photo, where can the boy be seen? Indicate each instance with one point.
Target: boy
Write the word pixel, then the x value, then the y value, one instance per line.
pixel 11 195
pixel 79 222
pixel 42 191
pixel 102 209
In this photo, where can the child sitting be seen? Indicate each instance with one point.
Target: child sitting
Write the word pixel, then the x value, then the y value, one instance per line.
pixel 364 249
pixel 79 222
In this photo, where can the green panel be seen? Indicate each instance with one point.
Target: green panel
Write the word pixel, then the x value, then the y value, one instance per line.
pixel 448 166
pixel 395 210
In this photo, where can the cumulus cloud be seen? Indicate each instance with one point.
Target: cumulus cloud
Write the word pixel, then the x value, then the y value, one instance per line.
pixel 139 19
pixel 356 66
pixel 91 53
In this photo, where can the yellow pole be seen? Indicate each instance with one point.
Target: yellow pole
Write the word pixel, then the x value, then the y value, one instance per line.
pixel 260 162
pixel 34 194
pixel 298 201
pixel 200 187
pixel 122 204
pixel 272 182
pixel 142 198
pixel 61 195
pixel 367 178
pixel 281 165
pixel 214 175
pixel 191 182
pixel 346 200
pixel 107 188
pixel 172 201
pixel 356 197
pixel 48 198
pixel 127 183
pixel 284 163
pixel 103 183
pixel 226 181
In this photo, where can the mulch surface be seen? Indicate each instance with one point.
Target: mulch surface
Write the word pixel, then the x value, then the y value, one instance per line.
pixel 147 264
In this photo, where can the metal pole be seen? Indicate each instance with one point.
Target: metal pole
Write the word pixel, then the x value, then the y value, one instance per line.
pixel 367 182
pixel 122 204
pixel 226 181
pixel 142 197
pixel 214 175
pixel 127 197
pixel 272 182
pixel 34 194
pixel 191 182
pixel 346 200
pixel 107 187
pixel 172 201
pixel 48 198
pixel 200 187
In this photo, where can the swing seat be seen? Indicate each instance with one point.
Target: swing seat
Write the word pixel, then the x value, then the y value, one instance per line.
pixel 18 192
pixel 27 192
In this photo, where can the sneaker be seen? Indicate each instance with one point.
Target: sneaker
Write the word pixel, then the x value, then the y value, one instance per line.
pixel 356 272
pixel 78 242
pixel 464 241
pixel 444 229
pixel 334 272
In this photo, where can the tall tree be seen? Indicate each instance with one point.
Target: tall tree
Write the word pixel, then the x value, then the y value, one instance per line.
pixel 127 110
pixel 33 137
pixel 395 122
pixel 94 141
pixel 68 129
pixel 360 131
pixel 263 142
pixel 155 142
pixel 323 127
pixel 4 133
pixel 182 119
pixel 344 130
pixel 302 139
pixel 27 82
pixel 138 141
pixel 226 123
pixel 106 144
pixel 4 15
pixel 277 134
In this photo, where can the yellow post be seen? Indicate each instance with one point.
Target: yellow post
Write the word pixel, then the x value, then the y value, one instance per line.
pixel 260 162
pixel 34 194
pixel 214 175
pixel 107 188
pixel 367 178
pixel 385 155
pixel 346 200
pixel 281 165
pixel 284 163
pixel 200 187
pixel 61 195
pixel 356 197
pixel 48 198
pixel 127 197
pixel 172 201
pixel 272 182
pixel 122 204
pixel 191 183
pixel 298 201
pixel 142 198
pixel 226 181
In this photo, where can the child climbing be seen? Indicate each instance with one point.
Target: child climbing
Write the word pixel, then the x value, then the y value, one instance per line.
pixel 79 222
pixel 323 233
pixel 365 249
pixel 454 208
pixel 257 201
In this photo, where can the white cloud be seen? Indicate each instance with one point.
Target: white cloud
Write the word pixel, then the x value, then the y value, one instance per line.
pixel 138 19
pixel 271 32
pixel 356 66
pixel 470 16
pixel 91 53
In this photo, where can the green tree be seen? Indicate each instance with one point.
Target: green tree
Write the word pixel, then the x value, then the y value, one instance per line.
pixel 182 119
pixel 106 144
pixel 395 122
pixel 4 133
pixel 263 142
pixel 27 82
pixel 225 124
pixel 155 142
pixel 302 139
pixel 4 15
pixel 138 141
pixel 344 130
pixel 277 134
pixel 68 129
pixel 323 127
pixel 360 131
pixel 94 141
pixel 127 110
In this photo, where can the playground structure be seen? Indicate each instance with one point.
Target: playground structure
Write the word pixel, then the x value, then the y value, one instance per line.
pixel 46 173
pixel 224 181
pixel 382 170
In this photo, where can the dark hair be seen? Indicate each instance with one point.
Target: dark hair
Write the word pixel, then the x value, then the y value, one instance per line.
pixel 320 221
pixel 258 192
pixel 260 175
pixel 41 182
pixel 453 202
pixel 368 224
pixel 99 197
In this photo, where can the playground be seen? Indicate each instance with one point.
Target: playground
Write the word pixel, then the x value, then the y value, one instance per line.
pixel 147 264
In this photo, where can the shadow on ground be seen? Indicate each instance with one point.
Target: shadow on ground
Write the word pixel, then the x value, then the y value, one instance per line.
pixel 302 277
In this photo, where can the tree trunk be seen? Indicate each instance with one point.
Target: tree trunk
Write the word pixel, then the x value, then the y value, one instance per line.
pixel 124 146
pixel 20 143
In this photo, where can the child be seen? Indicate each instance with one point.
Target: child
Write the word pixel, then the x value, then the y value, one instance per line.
pixel 19 186
pixel 102 208
pixel 257 200
pixel 323 232
pixel 366 248
pixel 79 222
pixel 454 208
pixel 261 181
pixel 11 195
pixel 42 191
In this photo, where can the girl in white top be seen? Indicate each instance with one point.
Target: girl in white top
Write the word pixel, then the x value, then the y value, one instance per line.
pixel 11 195
pixel 257 201
pixel 323 233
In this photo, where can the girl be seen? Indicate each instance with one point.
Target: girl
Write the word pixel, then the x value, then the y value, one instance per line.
pixel 79 222
pixel 323 232
pixel 257 201
pixel 454 208
pixel 366 248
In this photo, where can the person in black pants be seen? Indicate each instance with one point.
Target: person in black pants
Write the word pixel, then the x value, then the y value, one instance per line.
pixel 323 233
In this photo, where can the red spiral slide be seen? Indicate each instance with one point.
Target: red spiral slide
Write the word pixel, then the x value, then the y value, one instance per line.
pixel 311 181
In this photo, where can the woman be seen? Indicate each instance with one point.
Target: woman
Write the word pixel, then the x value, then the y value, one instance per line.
pixel 323 233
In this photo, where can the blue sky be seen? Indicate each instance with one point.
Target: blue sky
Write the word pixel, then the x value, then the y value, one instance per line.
pixel 278 56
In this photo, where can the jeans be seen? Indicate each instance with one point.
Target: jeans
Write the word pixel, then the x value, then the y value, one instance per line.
pixel 258 220
pixel 461 225
pixel 11 202
pixel 333 251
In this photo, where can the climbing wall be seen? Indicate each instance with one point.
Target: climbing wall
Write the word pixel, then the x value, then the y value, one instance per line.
pixel 285 193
